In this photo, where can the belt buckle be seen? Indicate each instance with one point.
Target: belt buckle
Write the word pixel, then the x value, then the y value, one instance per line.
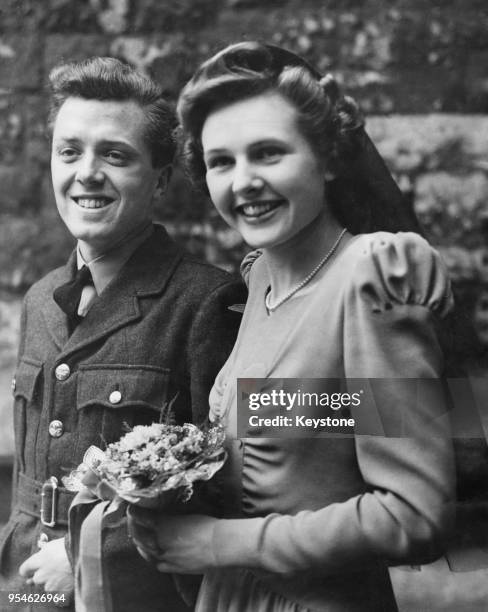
pixel 51 484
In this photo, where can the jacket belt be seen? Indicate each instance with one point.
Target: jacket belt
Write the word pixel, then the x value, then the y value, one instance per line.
pixel 34 496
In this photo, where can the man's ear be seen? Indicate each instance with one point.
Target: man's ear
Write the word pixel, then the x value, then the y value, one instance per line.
pixel 163 179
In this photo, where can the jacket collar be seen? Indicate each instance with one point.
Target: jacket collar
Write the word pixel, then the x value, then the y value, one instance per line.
pixel 107 266
pixel 146 273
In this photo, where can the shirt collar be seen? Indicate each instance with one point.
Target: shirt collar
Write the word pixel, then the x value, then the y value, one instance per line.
pixel 105 268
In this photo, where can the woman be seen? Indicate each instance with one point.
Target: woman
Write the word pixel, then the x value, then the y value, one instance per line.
pixel 312 524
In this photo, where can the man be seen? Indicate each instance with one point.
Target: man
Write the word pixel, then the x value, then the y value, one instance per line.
pixel 128 324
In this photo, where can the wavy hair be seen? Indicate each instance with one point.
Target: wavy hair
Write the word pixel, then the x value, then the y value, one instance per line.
pixel 106 78
pixel 363 195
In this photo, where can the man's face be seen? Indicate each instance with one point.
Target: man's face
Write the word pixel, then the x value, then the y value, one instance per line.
pixel 103 178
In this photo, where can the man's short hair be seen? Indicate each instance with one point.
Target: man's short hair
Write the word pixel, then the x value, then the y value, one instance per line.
pixel 106 78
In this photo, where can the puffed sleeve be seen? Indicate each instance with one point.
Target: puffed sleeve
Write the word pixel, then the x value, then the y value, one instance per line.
pixel 247 263
pixel 394 295
pixel 212 337
pixel 217 392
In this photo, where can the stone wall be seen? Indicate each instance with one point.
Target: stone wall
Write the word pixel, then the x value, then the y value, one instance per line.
pixel 419 68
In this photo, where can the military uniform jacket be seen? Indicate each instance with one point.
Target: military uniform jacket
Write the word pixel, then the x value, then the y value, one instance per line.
pixel 162 328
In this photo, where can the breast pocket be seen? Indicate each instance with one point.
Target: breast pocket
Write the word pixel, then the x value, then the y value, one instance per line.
pixel 25 380
pixel 111 399
pixel 27 391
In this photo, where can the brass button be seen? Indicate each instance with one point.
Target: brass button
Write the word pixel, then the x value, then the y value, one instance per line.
pixel 13 385
pixel 115 397
pixel 42 539
pixel 62 372
pixel 56 429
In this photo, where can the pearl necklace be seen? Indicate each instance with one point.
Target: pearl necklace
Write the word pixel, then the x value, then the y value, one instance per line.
pixel 308 278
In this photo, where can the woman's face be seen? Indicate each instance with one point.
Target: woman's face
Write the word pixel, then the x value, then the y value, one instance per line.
pixel 262 174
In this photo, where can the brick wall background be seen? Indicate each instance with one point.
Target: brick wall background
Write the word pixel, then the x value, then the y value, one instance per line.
pixel 419 69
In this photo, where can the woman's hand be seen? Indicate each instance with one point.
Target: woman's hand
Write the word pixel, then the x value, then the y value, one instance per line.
pixel 179 544
pixel 49 568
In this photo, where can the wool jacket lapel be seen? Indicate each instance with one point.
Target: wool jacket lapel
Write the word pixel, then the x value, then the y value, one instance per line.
pixel 143 275
pixel 56 320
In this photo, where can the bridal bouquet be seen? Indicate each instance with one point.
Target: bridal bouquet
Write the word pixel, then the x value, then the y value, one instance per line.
pixel 152 465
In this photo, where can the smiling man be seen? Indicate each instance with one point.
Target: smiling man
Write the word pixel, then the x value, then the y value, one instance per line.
pixel 130 323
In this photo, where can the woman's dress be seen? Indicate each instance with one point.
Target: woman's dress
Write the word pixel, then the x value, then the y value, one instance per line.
pixel 325 516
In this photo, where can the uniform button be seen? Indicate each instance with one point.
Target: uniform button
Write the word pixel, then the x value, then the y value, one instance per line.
pixel 13 385
pixel 115 397
pixel 42 539
pixel 62 372
pixel 56 429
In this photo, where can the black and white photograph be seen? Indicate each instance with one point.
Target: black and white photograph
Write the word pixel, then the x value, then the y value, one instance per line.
pixel 243 306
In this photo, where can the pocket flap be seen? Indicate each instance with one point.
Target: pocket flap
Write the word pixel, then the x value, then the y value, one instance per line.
pixel 25 380
pixel 121 386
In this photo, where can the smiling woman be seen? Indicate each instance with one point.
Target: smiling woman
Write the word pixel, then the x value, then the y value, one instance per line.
pixel 263 176
pixel 313 523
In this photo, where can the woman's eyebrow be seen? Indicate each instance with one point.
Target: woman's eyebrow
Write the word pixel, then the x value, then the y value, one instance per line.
pixel 267 141
pixel 215 151
pixel 255 143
